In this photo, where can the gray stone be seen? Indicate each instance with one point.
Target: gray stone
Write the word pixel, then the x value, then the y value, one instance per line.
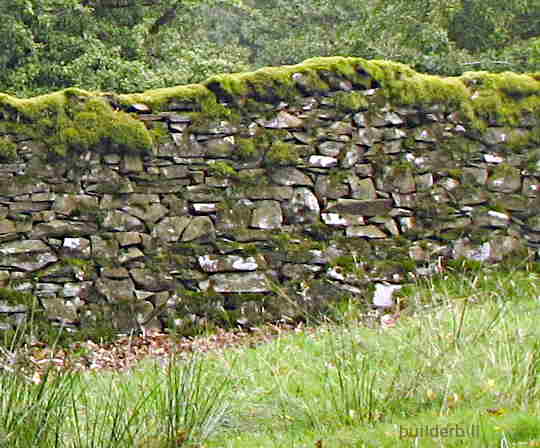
pixel 337 220
pixel 23 247
pixel 60 310
pixel 289 176
pixel 115 273
pixel 274 192
pixel 505 180
pixel 170 229
pixel 129 255
pixel 47 289
pixel 358 207
pixel 76 289
pixel 350 156
pixel 370 232
pixel 114 290
pixel 237 215
pixel 128 238
pixel 368 137
pixel 464 248
pixel 327 187
pixel 122 222
pixel 174 172
pixel 61 228
pixel 249 282
pixel 362 188
pixel 7 226
pixel 423 181
pixel 228 263
pixel 283 120
pixel 6 307
pixel 330 148
pixel 104 248
pixel 205 208
pixel 131 163
pixel 200 228
pixel 303 207
pixel 492 219
pixel 475 175
pixel 267 215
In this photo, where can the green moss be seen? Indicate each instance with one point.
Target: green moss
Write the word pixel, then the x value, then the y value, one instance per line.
pixel 159 133
pixel 223 169
pixel 246 148
pixel 74 120
pixel 8 150
pixel 350 102
pixel 282 153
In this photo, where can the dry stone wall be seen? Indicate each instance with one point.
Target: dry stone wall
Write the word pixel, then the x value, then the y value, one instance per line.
pixel 263 197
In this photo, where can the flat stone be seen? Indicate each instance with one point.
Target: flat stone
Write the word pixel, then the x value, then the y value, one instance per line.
pixel 79 290
pixel 283 120
pixel 128 238
pixel 61 228
pixel 249 282
pixel 23 247
pixel 382 298
pixel 322 161
pixel 373 207
pixel 114 290
pixel 76 247
pixel 115 273
pixel 7 226
pixel 271 192
pixel 122 222
pixel 227 263
pixel 130 254
pixel 338 220
pixel 152 281
pixel 289 176
pixel 362 188
pixel 370 232
pixel 267 215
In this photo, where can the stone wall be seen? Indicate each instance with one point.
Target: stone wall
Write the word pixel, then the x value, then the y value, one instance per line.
pixel 260 196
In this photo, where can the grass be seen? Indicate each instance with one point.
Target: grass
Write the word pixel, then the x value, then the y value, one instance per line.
pixel 464 355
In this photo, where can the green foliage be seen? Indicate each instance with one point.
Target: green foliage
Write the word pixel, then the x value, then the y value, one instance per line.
pixel 47 45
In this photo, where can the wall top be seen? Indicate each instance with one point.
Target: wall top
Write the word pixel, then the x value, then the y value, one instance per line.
pixel 74 120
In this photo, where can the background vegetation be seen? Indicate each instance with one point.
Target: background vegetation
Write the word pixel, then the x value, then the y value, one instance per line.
pixel 135 45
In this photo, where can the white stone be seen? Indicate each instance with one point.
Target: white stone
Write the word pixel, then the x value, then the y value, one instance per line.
pixel 490 158
pixel 383 295
pixel 323 161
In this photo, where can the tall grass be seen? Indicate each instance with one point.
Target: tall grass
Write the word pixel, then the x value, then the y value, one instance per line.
pixel 157 406
pixel 465 351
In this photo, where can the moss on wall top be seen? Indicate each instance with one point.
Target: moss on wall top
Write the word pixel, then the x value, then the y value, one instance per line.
pixel 74 119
